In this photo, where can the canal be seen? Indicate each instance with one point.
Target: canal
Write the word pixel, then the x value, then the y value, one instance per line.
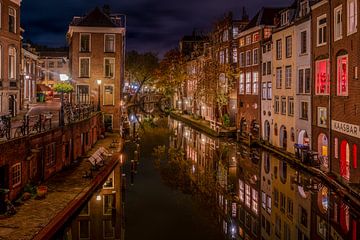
pixel 188 185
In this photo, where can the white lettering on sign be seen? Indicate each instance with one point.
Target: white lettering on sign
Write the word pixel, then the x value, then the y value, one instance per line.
pixel 346 128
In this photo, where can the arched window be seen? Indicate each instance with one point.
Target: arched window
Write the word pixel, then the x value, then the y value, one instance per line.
pixel 266 161
pixel 355 156
pixel 345 160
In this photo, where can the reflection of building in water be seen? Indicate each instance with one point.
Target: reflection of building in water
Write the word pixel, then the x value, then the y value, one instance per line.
pixel 248 193
pixel 101 216
pixel 266 195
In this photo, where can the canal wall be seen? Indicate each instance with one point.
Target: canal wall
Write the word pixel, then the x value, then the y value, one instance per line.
pixel 35 158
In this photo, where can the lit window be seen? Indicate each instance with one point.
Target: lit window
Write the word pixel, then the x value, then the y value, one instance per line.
pixel 84 42
pixel 248 40
pixel 12 20
pixel 12 63
pixel 109 43
pixel 241 190
pixel 322 81
pixel 109 184
pixel 263 200
pixel 264 91
pixel 222 57
pixel 342 76
pixel 352 16
pixel 248 83
pixel 269 90
pixel 255 201
pixel 256 37
pixel 109 67
pixel 255 83
pixel 321 30
pixel 268 204
pixel 247 195
pixel 109 95
pixel 235 55
pixel 242 83
pixel 16 174
pixel 355 156
pixel 242 42
pixel 338 23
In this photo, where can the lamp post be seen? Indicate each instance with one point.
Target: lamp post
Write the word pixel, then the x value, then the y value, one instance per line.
pixel 99 83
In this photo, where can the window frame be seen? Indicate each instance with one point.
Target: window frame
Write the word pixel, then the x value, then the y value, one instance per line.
pixel 349 32
pixel 18 176
pixel 339 92
pixel 113 94
pixel 80 74
pixel 114 67
pixel 321 27
pixel 80 46
pixel 114 44
pixel 338 33
pixel 15 20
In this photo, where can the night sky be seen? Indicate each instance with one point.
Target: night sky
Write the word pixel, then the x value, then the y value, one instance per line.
pixel 153 25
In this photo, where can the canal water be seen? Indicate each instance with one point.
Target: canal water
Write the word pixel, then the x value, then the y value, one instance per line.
pixel 192 186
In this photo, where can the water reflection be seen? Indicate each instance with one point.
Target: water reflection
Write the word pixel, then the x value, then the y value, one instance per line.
pixel 101 216
pixel 256 195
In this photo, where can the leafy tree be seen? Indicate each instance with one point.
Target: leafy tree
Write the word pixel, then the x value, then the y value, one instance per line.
pixel 64 87
pixel 171 74
pixel 140 68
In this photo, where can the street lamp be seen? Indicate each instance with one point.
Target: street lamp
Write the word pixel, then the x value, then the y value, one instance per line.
pixel 99 83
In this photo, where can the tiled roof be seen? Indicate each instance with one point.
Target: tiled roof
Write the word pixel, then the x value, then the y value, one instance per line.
pixel 96 18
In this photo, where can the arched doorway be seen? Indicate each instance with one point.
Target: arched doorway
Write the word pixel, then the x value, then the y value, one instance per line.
pixel 302 137
pixel 323 150
pixel 345 160
pixel 12 105
pixel 267 131
pixel 283 137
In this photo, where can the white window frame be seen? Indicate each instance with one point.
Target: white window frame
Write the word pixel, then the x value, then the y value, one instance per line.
pixel 306 43
pixel 105 35
pixel 81 34
pixel 338 27
pixel 12 52
pixel 288 76
pixel 248 83
pixel 113 98
pixel 248 57
pixel 318 27
pixel 255 83
pixel 114 67
pixel 242 83
pixel 351 31
pixel 321 110
pixel 89 75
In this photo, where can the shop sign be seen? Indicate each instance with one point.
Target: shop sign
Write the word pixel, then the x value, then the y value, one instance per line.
pixel 346 128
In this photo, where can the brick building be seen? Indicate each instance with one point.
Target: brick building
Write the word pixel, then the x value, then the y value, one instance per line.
pixel 249 69
pixel 336 93
pixel 96 47
pixel 10 48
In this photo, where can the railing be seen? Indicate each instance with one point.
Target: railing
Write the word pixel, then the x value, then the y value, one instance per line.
pixel 34 124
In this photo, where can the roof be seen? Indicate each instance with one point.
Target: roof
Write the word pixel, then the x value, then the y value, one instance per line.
pixel 53 54
pixel 264 17
pixel 98 18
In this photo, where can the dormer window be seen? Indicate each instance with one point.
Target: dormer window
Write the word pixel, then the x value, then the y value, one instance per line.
pixel 304 8
pixel 284 18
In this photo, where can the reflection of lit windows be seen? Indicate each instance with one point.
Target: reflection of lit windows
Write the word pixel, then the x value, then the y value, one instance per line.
pixel 290 208
pixel 109 184
pixel 108 204
pixel 255 201
pixel 84 229
pixel 242 83
pixel 322 79
pixel 247 195
pixel 263 200
pixel 342 76
pixel 241 191
pixel 248 83
pixel 268 209
pixel 282 202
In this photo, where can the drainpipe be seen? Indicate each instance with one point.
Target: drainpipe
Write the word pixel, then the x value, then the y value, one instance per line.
pixel 329 99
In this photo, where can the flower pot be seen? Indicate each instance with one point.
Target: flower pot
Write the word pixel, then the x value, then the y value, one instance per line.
pixel 41 191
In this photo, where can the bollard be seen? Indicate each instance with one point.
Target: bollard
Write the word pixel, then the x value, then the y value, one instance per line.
pixel 132 172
